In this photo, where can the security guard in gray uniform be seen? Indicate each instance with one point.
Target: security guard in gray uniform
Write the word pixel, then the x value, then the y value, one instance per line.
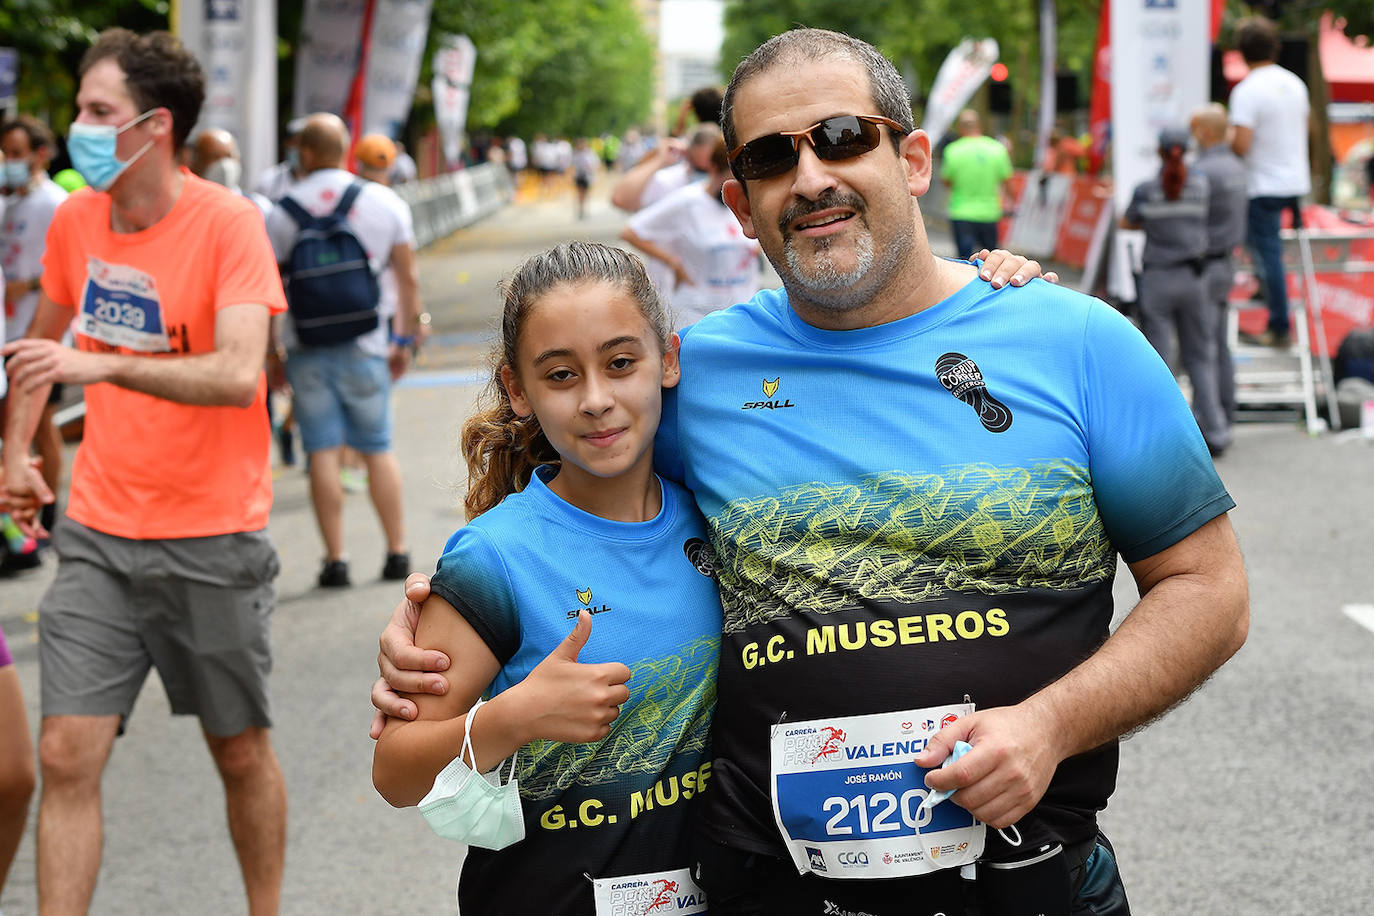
pixel 1226 206
pixel 1172 209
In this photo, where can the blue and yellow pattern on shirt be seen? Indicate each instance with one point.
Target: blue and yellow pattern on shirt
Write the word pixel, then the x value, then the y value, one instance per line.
pixel 932 508
pixel 520 574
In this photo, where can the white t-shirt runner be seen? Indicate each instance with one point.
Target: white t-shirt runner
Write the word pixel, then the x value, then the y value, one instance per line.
pixel 23 234
pixel 380 220
pixel 720 259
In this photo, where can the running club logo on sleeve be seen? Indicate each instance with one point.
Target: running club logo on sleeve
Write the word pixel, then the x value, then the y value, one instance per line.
pixel 963 379
pixel 120 307
pixel 769 402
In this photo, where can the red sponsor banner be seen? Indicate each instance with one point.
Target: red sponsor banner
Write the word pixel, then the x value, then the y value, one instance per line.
pixel 1347 299
pixel 353 112
pixel 1100 104
pixel 1080 220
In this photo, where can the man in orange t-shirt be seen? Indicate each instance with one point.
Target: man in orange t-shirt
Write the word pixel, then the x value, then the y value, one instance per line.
pixel 163 555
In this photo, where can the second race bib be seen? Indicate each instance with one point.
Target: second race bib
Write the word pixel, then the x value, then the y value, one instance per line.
pixel 847 797
pixel 668 893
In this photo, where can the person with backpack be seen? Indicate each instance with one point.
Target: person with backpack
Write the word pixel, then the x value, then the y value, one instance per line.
pixel 334 234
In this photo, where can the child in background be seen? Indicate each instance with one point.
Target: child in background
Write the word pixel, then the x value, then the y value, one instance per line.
pixel 609 729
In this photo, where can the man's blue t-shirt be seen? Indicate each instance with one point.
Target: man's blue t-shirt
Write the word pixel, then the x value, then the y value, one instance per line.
pixel 910 513
pixel 519 574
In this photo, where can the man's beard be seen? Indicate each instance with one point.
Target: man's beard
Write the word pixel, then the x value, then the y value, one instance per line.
pixel 819 281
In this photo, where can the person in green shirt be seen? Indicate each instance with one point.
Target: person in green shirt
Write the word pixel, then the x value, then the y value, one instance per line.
pixel 976 169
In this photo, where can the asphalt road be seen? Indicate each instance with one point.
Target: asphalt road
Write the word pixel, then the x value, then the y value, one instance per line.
pixel 1253 797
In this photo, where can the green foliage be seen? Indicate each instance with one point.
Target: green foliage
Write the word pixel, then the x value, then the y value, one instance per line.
pixel 918 36
pixel 569 67
pixel 51 36
pixel 1304 15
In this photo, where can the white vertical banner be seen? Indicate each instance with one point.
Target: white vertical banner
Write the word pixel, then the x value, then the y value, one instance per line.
pixel 236 42
pixel 1049 102
pixel 454 63
pixel 964 70
pixel 1160 72
pixel 327 55
pixel 399 30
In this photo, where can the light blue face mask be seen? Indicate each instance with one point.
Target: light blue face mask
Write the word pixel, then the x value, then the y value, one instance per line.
pixel 92 148
pixel 471 807
pixel 16 174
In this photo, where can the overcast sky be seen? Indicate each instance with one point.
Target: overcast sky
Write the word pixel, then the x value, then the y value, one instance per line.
pixel 690 26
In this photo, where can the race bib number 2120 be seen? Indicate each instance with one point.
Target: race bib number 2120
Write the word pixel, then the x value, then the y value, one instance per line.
pixel 847 797
pixel 120 307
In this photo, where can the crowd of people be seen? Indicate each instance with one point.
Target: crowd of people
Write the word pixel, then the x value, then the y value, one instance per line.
pixel 625 416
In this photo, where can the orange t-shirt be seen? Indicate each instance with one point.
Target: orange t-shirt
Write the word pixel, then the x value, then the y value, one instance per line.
pixel 149 468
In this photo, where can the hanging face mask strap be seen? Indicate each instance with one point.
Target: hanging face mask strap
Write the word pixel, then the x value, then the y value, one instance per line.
pixel 142 149
pixel 467 753
pixel 138 120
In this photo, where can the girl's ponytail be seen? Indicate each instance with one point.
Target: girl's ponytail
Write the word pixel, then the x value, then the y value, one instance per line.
pixel 501 449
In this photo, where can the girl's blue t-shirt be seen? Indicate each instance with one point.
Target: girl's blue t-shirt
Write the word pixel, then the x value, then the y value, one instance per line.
pixel 519 574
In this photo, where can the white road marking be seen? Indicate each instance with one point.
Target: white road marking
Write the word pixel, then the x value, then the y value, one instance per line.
pixel 1363 614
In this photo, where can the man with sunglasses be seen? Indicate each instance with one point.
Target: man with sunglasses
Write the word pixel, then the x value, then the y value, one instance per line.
pixel 917 485
pixel 163 556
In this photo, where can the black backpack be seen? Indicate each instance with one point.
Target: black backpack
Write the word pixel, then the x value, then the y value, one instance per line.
pixel 330 287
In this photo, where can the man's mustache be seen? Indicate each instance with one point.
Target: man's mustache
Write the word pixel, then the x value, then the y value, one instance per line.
pixel 826 201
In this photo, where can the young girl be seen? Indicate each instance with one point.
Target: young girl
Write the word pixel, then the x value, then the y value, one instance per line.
pixel 608 721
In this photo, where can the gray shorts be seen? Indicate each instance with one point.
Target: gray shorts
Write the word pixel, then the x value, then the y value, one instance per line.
pixel 199 609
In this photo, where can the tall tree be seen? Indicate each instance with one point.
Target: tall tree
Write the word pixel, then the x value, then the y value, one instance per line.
pixel 917 37
pixel 572 67
pixel 51 36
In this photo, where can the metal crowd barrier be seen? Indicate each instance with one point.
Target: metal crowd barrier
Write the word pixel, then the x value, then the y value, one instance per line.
pixel 446 203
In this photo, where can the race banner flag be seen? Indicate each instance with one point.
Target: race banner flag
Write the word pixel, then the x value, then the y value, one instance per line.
pixel 963 71
pixel 361 59
pixel 395 49
pixel 453 66
pixel 236 43
pixel 327 55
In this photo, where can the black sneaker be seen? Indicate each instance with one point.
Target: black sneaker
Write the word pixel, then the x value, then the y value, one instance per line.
pixel 396 567
pixel 335 574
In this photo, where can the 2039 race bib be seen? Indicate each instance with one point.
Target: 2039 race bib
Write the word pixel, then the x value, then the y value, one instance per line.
pixel 120 307
pixel 847 797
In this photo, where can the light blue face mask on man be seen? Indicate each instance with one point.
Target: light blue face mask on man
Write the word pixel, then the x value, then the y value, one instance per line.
pixel 16 174
pixel 471 807
pixel 92 148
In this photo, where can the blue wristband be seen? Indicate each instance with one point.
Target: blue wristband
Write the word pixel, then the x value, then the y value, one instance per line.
pixel 403 341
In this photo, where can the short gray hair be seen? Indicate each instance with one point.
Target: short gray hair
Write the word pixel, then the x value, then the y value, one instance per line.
pixel 890 94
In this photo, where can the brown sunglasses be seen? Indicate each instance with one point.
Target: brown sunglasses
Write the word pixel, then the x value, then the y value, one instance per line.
pixel 834 139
